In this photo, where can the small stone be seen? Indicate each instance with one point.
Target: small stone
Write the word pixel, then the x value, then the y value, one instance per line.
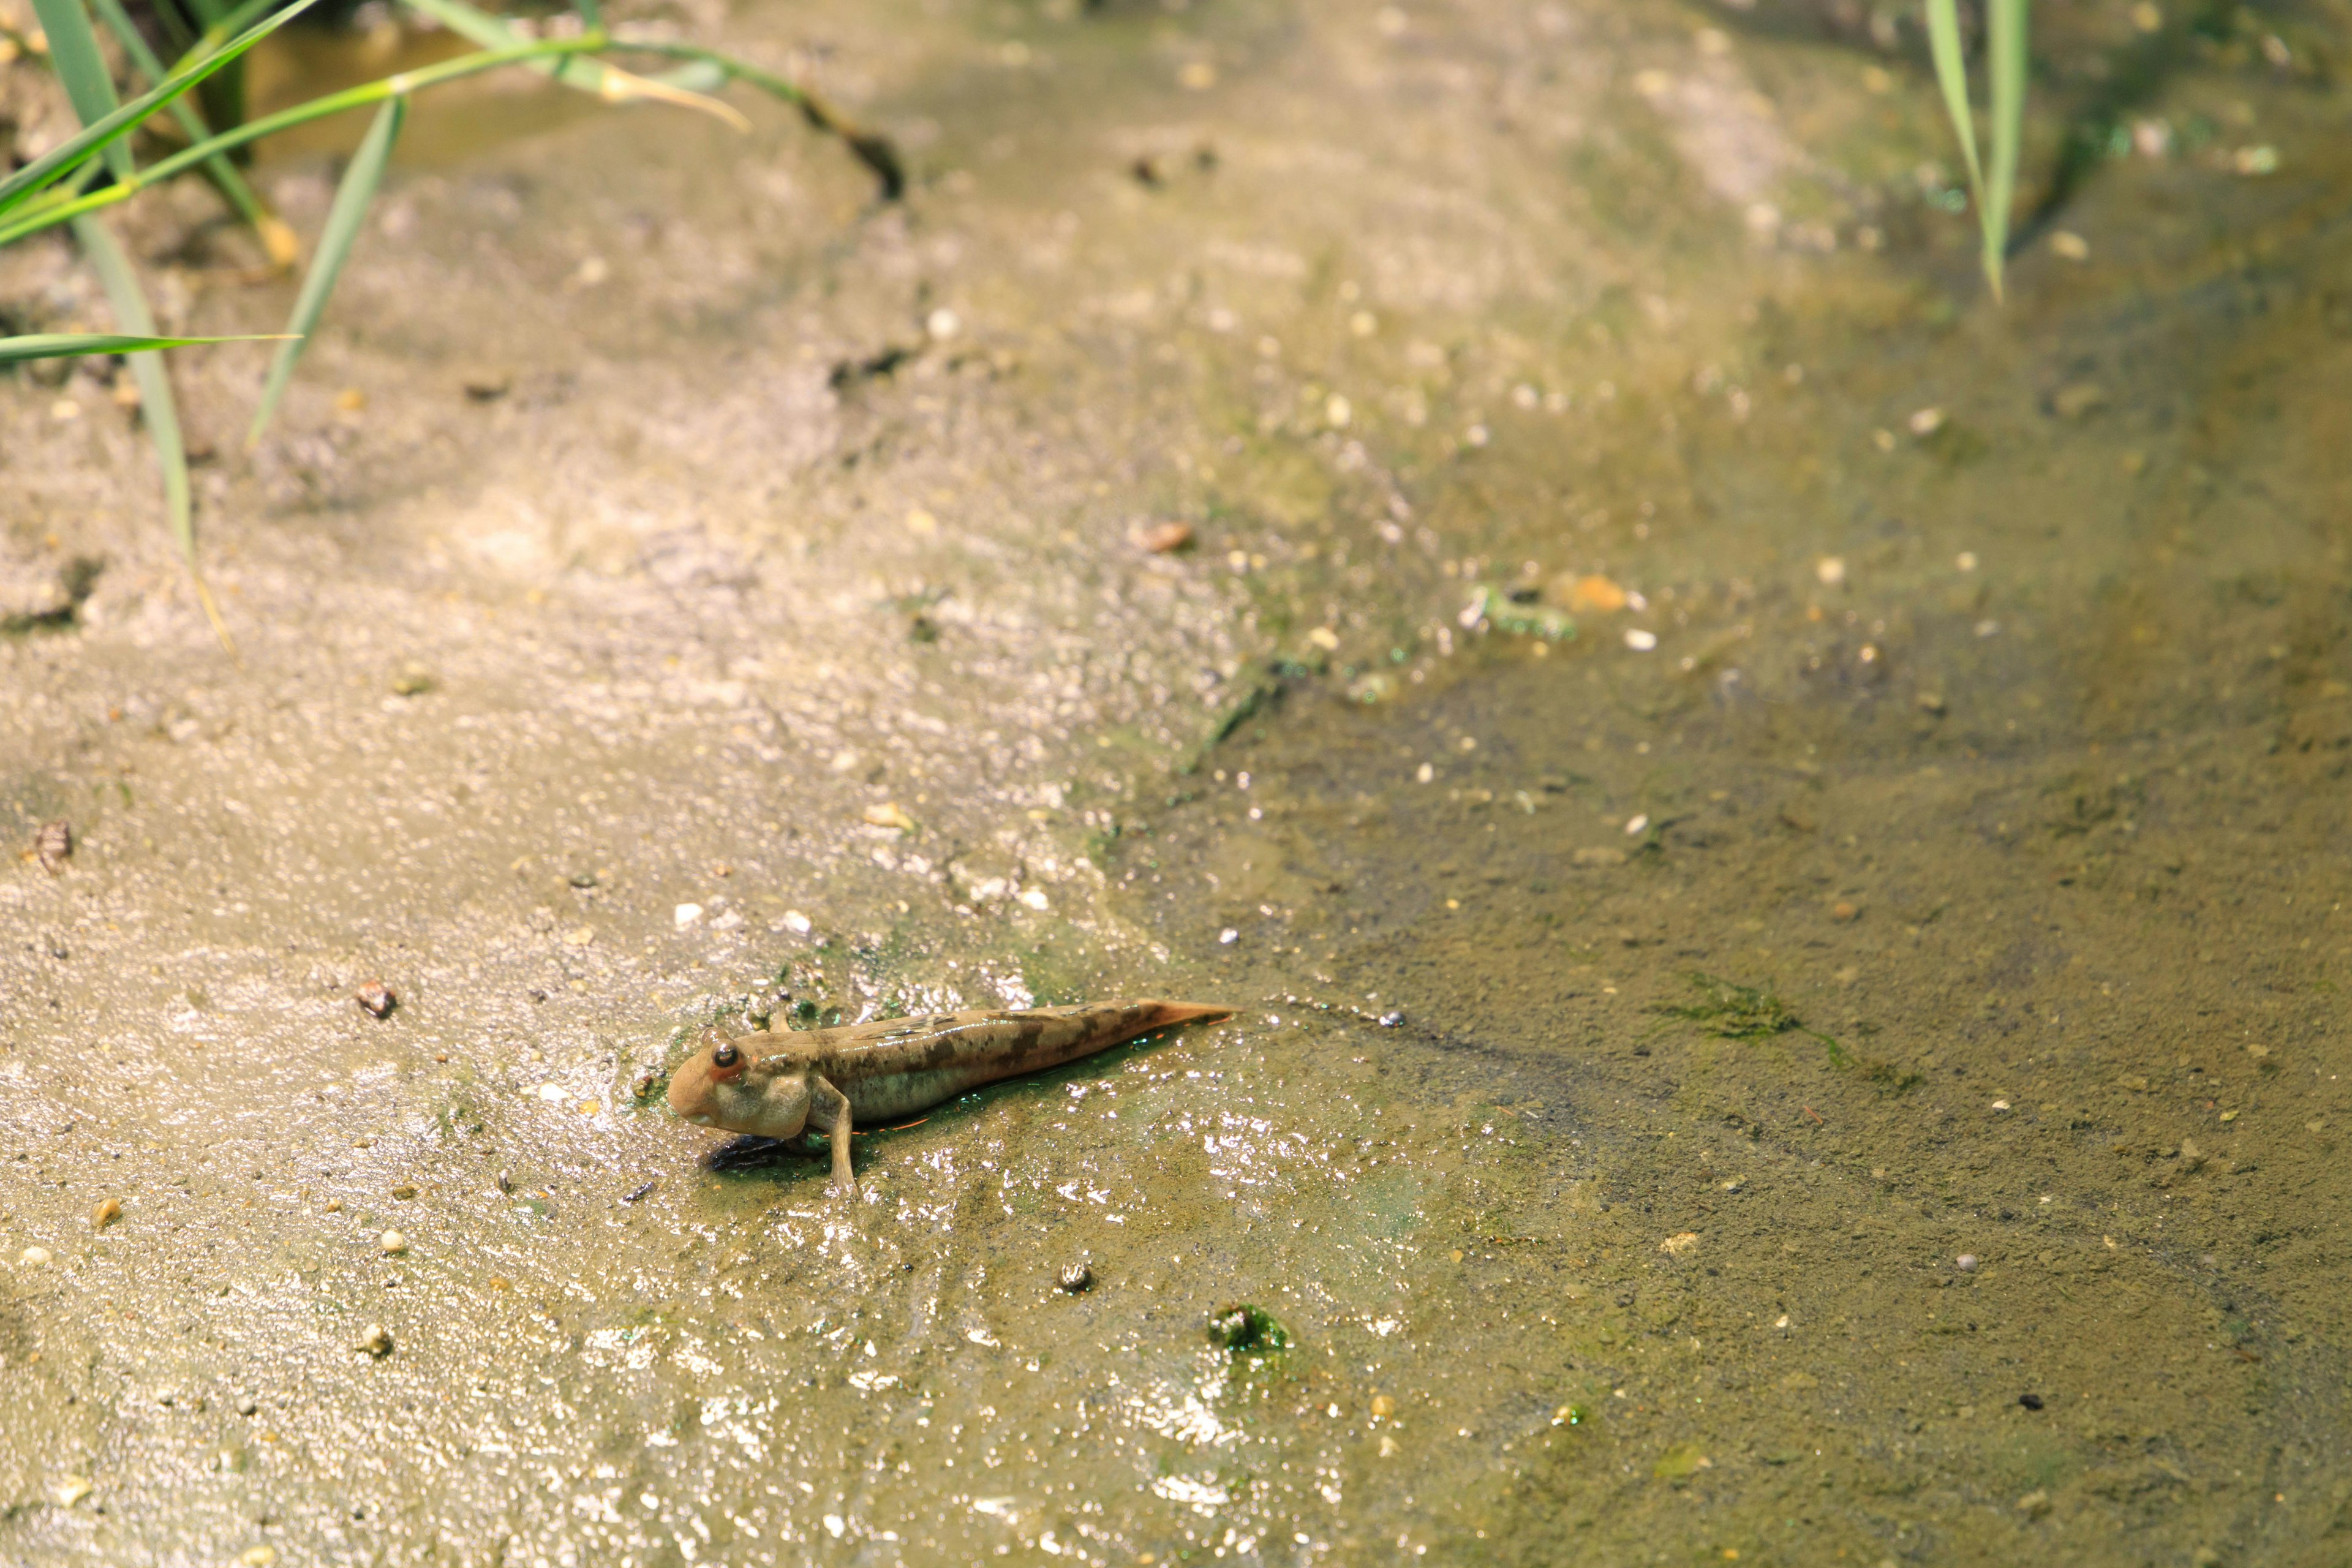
pixel 2068 246
pixel 1641 641
pixel 1164 538
pixel 1965 1263
pixel 108 1211
pixel 72 1490
pixel 376 1342
pixel 1844 909
pixel 1077 1277
pixel 1830 570
pixel 34 1257
pixel 889 815
pixel 1925 422
pixel 377 997
pixel 2030 1400
pixel 1931 702
pixel 2077 399
pixel 404 1191
pixel 1383 1406
pixel 247 1406
pixel 2034 1504
pixel 258 1556
pixel 332 1205
pixel 392 1243
pixel 412 680
pixel 1392 1019
pixel 685 915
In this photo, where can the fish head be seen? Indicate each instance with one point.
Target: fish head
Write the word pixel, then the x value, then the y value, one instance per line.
pixel 743 1085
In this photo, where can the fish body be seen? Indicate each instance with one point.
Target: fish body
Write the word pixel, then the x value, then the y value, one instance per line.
pixel 785 1085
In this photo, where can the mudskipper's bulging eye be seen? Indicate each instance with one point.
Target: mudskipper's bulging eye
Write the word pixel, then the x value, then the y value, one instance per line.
pixel 726 1056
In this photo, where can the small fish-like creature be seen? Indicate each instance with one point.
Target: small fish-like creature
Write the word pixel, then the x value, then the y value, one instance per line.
pixel 787 1085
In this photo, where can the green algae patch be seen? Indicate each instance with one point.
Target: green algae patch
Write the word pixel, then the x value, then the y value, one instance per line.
pixel 1243 1329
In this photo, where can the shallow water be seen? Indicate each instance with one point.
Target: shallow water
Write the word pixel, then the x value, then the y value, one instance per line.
pixel 1981 793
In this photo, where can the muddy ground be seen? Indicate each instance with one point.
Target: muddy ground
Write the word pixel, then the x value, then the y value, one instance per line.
pixel 1777 827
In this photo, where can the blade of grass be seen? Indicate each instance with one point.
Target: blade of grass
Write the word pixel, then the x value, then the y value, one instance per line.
pixel 344 220
pixel 1952 76
pixel 156 408
pixel 2005 47
pixel 70 345
pixel 73 52
pixel 360 97
pixel 97 138
pixel 607 80
pixel 870 148
pixel 277 239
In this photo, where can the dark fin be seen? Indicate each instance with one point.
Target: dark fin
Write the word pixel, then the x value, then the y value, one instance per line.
pixel 1169 1014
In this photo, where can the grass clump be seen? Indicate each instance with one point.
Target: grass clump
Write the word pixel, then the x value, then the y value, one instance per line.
pixel 73 183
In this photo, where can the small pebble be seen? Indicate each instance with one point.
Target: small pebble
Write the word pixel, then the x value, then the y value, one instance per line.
pixel 34 1257
pixel 1641 641
pixel 1383 1405
pixel 334 1205
pixel 1843 910
pixel 1164 538
pixel 70 1489
pixel 1393 1018
pixel 106 1214
pixel 392 1243
pixel 377 998
pixel 1965 1263
pixel 404 1191
pixel 1076 1278
pixel 2030 1400
pixel 641 1191
pixel 376 1342
pixel 258 1556
pixel 1830 570
pixel 53 845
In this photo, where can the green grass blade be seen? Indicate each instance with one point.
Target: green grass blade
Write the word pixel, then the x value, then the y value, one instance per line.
pixel 156 407
pixel 70 345
pixel 73 51
pixel 16 227
pixel 2006 49
pixel 1952 76
pixel 277 239
pixel 344 220
pixel 476 25
pixel 97 138
pixel 876 151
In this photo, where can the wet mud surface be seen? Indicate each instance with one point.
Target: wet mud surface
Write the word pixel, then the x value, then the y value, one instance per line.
pixel 1777 831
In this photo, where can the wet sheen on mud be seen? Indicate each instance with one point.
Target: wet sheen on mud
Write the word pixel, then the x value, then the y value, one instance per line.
pixel 1774 830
